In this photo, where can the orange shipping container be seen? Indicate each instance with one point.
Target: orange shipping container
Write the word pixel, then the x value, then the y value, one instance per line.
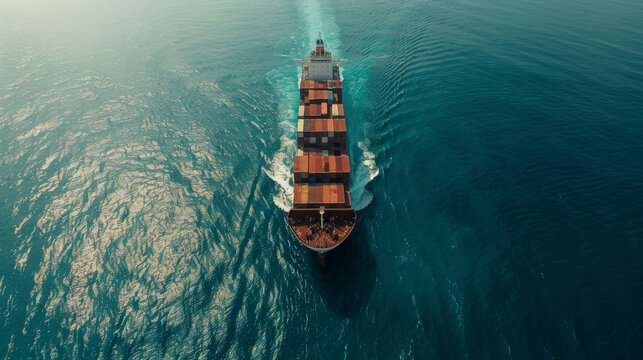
pixel 345 163
pixel 339 124
pixel 333 194
pixel 326 194
pixel 318 198
pixel 304 194
pixel 297 199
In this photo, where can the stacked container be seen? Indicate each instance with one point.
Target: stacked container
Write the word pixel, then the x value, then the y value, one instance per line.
pixel 321 165
pixel 316 195
pixel 322 169
pixel 321 131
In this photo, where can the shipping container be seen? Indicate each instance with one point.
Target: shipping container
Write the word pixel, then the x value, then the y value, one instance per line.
pixel 338 110
pixel 329 195
pixel 319 168
pixel 339 125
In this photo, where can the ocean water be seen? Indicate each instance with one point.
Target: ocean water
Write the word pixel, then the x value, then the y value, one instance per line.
pixel 497 165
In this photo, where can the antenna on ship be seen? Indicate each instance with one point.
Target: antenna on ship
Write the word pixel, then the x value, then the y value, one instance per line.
pixel 321 213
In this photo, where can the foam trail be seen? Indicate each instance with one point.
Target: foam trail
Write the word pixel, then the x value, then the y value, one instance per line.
pixel 317 19
pixel 369 160
pixel 280 165
pixel 366 171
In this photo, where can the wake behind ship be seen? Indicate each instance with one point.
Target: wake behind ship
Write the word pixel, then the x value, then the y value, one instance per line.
pixel 322 216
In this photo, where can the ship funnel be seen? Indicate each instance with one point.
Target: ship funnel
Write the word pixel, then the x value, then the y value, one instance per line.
pixel 319 48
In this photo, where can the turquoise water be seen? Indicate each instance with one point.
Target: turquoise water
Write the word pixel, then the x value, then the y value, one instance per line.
pixel 145 154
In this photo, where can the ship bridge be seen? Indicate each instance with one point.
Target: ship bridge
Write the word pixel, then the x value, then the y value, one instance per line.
pixel 320 65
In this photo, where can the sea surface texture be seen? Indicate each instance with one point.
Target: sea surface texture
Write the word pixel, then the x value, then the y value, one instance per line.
pixel 145 169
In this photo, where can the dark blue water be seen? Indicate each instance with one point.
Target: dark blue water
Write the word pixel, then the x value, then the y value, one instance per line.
pixel 497 155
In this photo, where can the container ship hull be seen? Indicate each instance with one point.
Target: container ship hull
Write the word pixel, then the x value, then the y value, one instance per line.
pixel 322 216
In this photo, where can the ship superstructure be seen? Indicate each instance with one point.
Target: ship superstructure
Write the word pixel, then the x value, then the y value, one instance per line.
pixel 322 216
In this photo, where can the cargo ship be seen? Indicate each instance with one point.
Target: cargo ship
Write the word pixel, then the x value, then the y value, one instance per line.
pixel 322 216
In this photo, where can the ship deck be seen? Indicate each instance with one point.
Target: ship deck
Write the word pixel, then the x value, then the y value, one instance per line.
pixel 306 226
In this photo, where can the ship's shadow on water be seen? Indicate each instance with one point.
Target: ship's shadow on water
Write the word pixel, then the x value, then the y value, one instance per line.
pixel 347 278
